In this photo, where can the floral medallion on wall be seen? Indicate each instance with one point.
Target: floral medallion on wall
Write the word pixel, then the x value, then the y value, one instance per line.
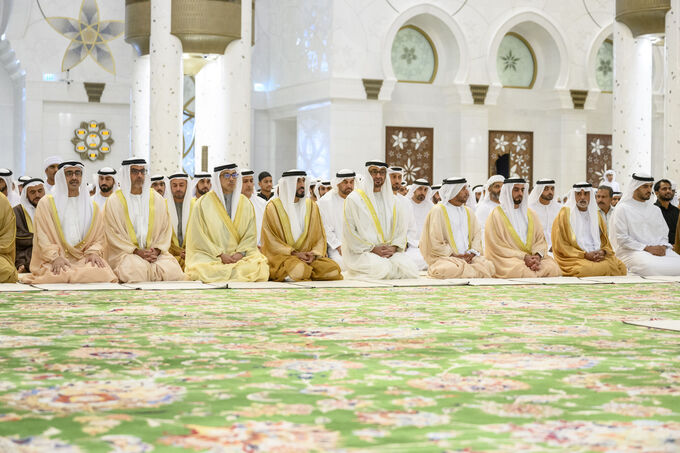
pixel 92 140
pixel 412 149
pixel 516 63
pixel 598 157
pixel 414 58
pixel 511 153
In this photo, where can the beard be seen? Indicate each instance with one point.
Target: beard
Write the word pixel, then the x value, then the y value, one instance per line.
pixel 420 198
pixel 300 193
pixel 105 189
pixel 202 191
pixel 517 201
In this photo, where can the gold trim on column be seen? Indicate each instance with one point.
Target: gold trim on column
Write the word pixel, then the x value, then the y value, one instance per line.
pixel 479 93
pixel 643 17
pixel 138 25
pixel 206 26
pixel 578 98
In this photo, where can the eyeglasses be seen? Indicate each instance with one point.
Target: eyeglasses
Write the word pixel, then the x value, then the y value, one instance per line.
pixel 230 175
pixel 71 173
pixel 136 171
pixel 382 172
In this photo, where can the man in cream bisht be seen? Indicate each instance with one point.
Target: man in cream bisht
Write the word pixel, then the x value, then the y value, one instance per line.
pixel 248 190
pixel 492 190
pixel 8 272
pixel 513 239
pixel 419 201
pixel 542 201
pixel 138 229
pixel 374 237
pixel 580 243
pixel 332 207
pixel 68 245
pixel 221 240
pixel 180 205
pixel 452 237
pixel 107 184
pixel 639 233
pixel 293 238
pixel 33 192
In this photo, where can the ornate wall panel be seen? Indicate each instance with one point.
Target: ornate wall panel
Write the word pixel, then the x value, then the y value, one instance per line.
pixel 599 157
pixel 511 153
pixel 410 148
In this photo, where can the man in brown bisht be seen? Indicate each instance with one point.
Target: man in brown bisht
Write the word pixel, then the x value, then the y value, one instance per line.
pixel 293 237
pixel 68 246
pixel 580 243
pixel 513 238
pixel 138 229
pixel 8 228
pixel 451 242
pixel 32 193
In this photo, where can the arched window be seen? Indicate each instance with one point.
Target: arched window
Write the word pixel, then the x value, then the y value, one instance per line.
pixel 604 69
pixel 516 62
pixel 414 56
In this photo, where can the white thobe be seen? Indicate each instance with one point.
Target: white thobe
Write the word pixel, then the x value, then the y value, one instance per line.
pixel 418 213
pixel 48 188
pixel 258 204
pixel 483 211
pixel 100 200
pixel 72 231
pixel 331 207
pixel 135 211
pixel 547 215
pixel 360 236
pixel 300 211
pixel 636 225
pixel 614 185
pixel 584 235
pixel 607 217
pixel 459 227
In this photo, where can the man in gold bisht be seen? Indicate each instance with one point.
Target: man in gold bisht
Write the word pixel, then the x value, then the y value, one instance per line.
pixel 222 236
pixel 138 229
pixel 8 232
pixel 513 238
pixel 68 243
pixel 451 242
pixel 579 234
pixel 293 237
pixel 180 207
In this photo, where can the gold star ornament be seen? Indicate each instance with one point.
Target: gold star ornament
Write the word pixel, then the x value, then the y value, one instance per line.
pixel 89 37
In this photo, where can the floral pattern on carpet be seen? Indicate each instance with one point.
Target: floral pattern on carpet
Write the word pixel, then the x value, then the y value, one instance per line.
pixel 514 368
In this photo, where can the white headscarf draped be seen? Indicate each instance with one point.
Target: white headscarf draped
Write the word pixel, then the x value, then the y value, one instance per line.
pixel 417 184
pixel 217 186
pixel 106 171
pixel 365 182
pixel 340 176
pixel 492 180
pixel 287 190
pixel 83 202
pixel 316 182
pixel 186 203
pixel 197 178
pixel 452 187
pixel 12 193
pixel 535 195
pixel 28 207
pixel 578 220
pixel 518 217
pixel 435 191
pixel 52 160
pixel 141 225
pixel 637 180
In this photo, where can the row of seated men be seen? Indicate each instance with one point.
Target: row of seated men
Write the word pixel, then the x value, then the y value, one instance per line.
pixel 139 235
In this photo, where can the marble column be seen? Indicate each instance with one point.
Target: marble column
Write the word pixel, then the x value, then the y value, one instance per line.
pixel 671 154
pixel 139 107
pixel 165 52
pixel 632 104
pixel 473 144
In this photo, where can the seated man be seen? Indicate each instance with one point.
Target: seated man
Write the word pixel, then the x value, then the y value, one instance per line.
pixel 158 184
pixel 293 238
pixel 374 237
pixel 616 197
pixel 580 243
pixel 248 190
pixel 7 187
pixel 418 201
pixel 513 237
pixel 639 233
pixel 33 191
pixel 51 166
pixel 542 201
pixel 202 184
pixel 68 245
pixel 138 230
pixel 331 207
pixel 8 272
pixel 604 204
pixel 180 206
pixel 451 242
pixel 664 196
pixel 222 241
pixel 492 192
pixel 106 186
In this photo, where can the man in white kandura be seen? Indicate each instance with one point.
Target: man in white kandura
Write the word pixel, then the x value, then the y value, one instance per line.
pixel 51 166
pixel 542 201
pixel 419 198
pixel 639 233
pixel 332 206
pixel 374 237
pixel 248 191
pixel 491 199
pixel 452 237
pixel 7 187
pixel 610 180
pixel 107 183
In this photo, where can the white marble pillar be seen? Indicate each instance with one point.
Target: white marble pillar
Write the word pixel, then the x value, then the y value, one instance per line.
pixel 632 104
pixel 139 107
pixel 210 115
pixel 473 144
pixel 237 73
pixel 572 156
pixel 671 154
pixel 165 138
pixel 357 134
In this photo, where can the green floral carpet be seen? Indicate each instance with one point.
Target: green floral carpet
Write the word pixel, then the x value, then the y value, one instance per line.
pixel 512 368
